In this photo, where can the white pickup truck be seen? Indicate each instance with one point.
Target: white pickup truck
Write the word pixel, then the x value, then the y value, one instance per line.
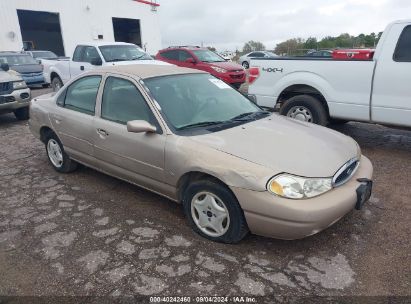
pixel 325 90
pixel 88 56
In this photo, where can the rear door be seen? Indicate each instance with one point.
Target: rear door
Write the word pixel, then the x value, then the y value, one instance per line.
pixel 138 157
pixel 74 117
pixel 391 99
pixel 82 58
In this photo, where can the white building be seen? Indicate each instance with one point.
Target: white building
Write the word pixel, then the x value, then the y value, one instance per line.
pixel 59 25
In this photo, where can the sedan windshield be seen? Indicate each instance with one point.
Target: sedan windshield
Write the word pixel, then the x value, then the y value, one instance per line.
pixel 208 56
pixel 17 59
pixel 200 101
pixel 44 54
pixel 112 53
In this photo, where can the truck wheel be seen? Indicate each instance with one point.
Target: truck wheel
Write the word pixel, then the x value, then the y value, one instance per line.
pixel 245 65
pixel 22 113
pixel 214 212
pixel 305 108
pixel 56 83
pixel 58 158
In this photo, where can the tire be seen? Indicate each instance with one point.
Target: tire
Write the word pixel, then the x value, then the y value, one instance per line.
pixel 245 65
pixel 306 108
pixel 45 85
pixel 58 158
pixel 22 113
pixel 222 208
pixel 56 83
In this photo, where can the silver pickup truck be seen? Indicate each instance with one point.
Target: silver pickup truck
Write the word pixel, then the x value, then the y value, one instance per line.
pixel 14 93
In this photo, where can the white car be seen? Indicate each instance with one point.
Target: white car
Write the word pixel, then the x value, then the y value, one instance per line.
pixel 88 56
pixel 245 59
pixel 322 90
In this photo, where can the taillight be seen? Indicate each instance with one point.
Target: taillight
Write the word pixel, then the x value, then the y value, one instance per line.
pixel 253 74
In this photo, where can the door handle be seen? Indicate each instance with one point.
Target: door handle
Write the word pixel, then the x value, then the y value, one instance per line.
pixel 82 67
pixel 102 132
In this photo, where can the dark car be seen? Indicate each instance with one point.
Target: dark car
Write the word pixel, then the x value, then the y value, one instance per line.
pixel 29 69
pixel 320 53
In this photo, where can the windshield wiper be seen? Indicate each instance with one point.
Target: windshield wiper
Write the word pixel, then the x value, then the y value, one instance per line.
pixel 139 57
pixel 249 115
pixel 201 124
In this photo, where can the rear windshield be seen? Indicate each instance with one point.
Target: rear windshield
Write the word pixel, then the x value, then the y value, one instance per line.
pixel 45 54
pixel 17 59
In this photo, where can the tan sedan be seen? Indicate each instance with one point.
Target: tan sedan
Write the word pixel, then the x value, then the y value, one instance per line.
pixel 190 137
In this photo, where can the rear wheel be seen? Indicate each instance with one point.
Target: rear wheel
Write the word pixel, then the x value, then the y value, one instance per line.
pixel 245 65
pixel 214 213
pixel 58 158
pixel 56 83
pixel 22 113
pixel 305 108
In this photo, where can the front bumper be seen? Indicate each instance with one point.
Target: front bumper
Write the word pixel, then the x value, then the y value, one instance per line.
pixel 35 79
pixel 15 100
pixel 273 216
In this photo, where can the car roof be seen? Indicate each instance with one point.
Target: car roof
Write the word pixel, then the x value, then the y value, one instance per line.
pixel 104 43
pixel 185 47
pixel 12 53
pixel 145 71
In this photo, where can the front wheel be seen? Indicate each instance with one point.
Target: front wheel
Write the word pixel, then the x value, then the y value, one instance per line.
pixel 58 158
pixel 56 84
pixel 214 212
pixel 22 113
pixel 305 108
pixel 245 65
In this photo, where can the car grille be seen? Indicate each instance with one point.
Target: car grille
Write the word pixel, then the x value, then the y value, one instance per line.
pixel 6 99
pixel 344 174
pixel 6 87
pixel 35 74
pixel 237 76
pixel 236 71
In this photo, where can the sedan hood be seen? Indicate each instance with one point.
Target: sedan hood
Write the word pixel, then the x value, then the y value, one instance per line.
pixel 285 145
pixel 229 66
pixel 155 62
pixel 9 76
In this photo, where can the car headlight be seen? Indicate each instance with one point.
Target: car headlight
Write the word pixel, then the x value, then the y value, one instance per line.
pixel 17 85
pixel 296 187
pixel 219 70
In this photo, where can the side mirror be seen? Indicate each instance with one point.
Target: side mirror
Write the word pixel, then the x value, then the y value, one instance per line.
pixel 5 67
pixel 190 60
pixel 140 126
pixel 96 61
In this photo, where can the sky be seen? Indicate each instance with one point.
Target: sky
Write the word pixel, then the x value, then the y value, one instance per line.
pixel 228 24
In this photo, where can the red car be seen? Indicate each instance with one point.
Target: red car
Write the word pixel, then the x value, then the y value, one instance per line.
pixel 361 54
pixel 203 59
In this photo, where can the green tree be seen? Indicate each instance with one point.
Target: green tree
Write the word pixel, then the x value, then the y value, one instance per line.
pixel 252 46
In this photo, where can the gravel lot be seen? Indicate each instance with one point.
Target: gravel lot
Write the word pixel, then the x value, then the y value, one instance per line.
pixel 86 233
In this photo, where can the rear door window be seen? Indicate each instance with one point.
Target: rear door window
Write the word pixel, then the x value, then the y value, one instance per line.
pixel 403 50
pixel 81 95
pixel 78 53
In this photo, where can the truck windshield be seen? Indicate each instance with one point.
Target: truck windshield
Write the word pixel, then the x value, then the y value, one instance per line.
pixel 193 101
pixel 17 59
pixel 208 56
pixel 112 53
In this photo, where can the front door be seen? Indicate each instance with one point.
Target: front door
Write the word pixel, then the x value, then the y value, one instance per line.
pixel 391 100
pixel 82 58
pixel 137 157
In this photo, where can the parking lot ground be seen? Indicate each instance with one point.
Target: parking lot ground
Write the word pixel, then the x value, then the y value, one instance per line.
pixel 86 233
